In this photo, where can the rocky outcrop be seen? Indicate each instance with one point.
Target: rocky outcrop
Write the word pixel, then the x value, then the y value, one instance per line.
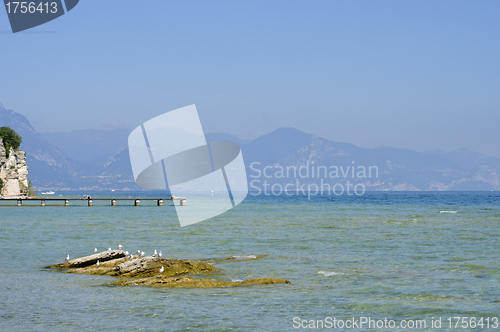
pixel 154 271
pixel 13 172
pixel 149 266
pixel 115 263
pixel 91 260
pixel 190 282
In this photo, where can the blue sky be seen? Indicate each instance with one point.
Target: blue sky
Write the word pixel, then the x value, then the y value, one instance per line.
pixel 422 75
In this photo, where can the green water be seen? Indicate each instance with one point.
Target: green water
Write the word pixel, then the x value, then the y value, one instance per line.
pixel 394 256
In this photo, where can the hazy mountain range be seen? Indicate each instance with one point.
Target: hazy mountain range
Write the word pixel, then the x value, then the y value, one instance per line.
pixel 99 160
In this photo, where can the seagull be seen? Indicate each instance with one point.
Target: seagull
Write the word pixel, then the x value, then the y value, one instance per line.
pixel 126 253
pixel 109 249
pixel 95 250
pixel 131 257
pixel 161 270
pixel 138 252
pixel 67 258
pixel 142 253
pixel 159 254
pixel 155 253
pixel 97 263
pixel 120 247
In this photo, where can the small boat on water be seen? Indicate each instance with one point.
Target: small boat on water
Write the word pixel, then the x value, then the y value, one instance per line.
pixel 47 193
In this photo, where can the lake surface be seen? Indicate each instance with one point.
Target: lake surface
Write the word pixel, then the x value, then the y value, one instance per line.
pixel 399 256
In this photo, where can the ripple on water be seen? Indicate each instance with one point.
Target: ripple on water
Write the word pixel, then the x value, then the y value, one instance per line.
pixel 330 273
pixel 337 254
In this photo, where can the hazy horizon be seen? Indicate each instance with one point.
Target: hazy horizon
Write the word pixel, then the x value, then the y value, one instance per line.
pixel 109 129
pixel 421 76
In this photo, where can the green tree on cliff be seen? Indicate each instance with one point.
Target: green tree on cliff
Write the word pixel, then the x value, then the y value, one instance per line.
pixel 11 139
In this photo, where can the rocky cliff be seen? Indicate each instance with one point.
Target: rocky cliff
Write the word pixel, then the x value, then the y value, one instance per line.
pixel 13 172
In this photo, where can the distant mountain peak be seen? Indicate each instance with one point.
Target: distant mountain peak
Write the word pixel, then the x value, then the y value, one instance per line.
pixel 13 119
pixel 465 151
pixel 222 137
pixel 49 166
pixel 102 159
pixel 290 131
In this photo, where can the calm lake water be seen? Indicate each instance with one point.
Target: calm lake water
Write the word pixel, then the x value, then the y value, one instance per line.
pixel 399 256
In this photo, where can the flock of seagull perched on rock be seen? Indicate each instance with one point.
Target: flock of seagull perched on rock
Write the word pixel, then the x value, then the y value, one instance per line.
pixel 139 253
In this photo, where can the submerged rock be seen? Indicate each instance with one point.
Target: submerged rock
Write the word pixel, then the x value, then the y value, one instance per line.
pixel 190 282
pixel 264 281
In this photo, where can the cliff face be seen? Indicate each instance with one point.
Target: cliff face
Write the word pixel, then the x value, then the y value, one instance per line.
pixel 13 172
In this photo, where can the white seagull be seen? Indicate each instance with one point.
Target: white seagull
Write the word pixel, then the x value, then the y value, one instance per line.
pixel 67 258
pixel 162 269
pixel 131 257
pixel 159 254
pixel 142 253
pixel 155 253
pixel 97 263
pixel 109 249
pixel 120 247
pixel 138 252
pixel 95 250
pixel 126 253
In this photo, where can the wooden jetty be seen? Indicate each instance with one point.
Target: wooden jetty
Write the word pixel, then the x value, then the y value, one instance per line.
pixel 90 202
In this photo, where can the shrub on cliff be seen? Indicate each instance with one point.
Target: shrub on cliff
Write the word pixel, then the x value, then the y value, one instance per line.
pixel 31 192
pixel 11 139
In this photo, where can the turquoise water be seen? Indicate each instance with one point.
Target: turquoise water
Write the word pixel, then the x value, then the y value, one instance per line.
pixel 382 255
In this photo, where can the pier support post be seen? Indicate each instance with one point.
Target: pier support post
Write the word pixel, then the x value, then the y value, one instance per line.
pixel 113 202
pixel 66 202
pixel 137 202
pixel 183 202
pixel 19 202
pixel 43 202
pixel 91 203
pixel 160 202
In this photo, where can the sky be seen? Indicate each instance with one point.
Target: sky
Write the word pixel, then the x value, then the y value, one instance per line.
pixel 421 75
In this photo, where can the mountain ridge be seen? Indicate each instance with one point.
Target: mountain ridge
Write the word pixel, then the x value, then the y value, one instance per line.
pixel 101 161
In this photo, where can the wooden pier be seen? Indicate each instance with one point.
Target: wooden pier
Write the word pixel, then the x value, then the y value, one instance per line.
pixel 90 202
